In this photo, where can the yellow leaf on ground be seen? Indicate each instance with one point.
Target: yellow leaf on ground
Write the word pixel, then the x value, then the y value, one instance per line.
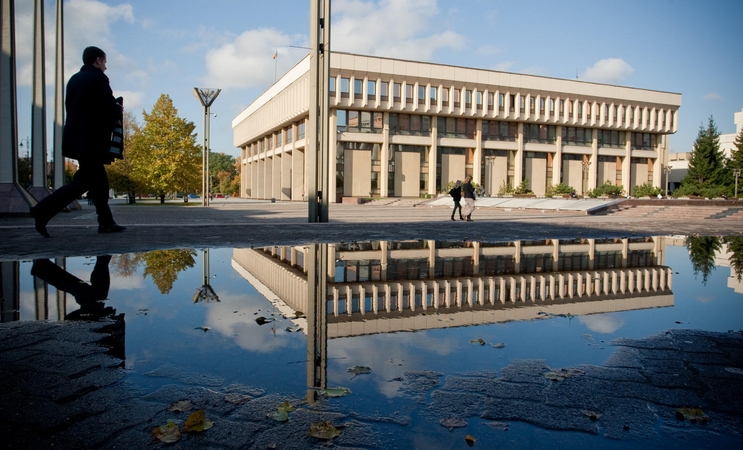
pixel 181 406
pixel 324 430
pixel 470 440
pixel 197 422
pixel 167 434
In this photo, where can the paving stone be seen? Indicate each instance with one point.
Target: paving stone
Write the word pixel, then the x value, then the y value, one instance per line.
pixel 624 357
pixel 455 404
pixel 209 400
pixel 553 418
pixel 495 388
pixel 625 418
pixel 659 342
pixel 526 371
pixel 611 373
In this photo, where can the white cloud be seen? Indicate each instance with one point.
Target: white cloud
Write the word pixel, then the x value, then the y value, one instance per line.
pixel 247 61
pixel 713 96
pixel 133 100
pixel 610 70
pixel 395 28
pixel 505 66
pixel 488 50
pixel 602 323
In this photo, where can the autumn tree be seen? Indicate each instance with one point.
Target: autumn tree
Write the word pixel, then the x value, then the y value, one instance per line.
pixel 170 158
pixel 707 173
pixel 163 266
pixel 221 170
pixel 123 175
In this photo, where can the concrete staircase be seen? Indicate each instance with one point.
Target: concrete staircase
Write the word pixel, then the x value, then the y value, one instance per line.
pixel 677 212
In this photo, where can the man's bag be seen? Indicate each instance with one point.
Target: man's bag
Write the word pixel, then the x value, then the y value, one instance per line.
pixel 116 150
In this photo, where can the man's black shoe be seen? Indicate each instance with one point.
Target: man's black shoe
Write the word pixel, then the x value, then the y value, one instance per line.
pixel 111 228
pixel 39 222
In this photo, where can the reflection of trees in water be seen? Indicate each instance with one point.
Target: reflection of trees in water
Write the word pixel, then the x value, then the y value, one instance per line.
pixel 702 250
pixel 163 266
pixel 735 247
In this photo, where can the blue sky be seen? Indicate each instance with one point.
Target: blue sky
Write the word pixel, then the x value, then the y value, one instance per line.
pixel 158 46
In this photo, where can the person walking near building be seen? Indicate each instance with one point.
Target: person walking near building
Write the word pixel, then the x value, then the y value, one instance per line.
pixel 469 198
pixel 92 113
pixel 456 194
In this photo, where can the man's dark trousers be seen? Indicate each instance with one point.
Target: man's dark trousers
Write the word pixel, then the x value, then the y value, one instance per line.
pixel 90 177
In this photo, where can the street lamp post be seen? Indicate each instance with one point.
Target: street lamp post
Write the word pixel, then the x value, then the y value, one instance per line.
pixel 586 167
pixel 206 96
pixel 667 170
pixel 736 173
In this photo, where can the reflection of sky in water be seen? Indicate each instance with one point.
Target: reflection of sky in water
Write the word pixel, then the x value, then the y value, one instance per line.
pixel 271 358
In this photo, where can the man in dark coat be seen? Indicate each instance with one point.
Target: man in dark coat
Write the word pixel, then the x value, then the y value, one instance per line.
pixel 456 194
pixel 92 112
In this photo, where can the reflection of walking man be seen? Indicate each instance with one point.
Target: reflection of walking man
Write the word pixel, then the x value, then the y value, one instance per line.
pixel 469 198
pixel 92 112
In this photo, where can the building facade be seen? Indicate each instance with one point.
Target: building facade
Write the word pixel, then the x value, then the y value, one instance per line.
pixel 407 129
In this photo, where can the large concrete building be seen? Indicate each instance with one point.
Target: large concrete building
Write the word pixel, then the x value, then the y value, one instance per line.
pixel 407 128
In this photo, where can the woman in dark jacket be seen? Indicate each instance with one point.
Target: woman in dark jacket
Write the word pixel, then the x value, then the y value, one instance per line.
pixel 456 194
pixel 469 197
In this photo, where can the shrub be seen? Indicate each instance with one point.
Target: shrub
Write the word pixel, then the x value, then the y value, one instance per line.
pixel 505 188
pixel 606 189
pixel 559 189
pixel 523 188
pixel 646 190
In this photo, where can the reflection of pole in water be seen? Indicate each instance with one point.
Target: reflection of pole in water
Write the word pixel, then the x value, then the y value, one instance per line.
pixel 317 325
pixel 61 295
pixel 41 298
pixel 10 280
pixel 205 293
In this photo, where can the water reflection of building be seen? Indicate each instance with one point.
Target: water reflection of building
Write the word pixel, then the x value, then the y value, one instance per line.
pixel 382 286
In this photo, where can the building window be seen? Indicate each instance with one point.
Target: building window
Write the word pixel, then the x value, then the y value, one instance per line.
pixel 493 130
pixel 344 87
pixel 359 121
pixel 358 86
pixel 512 107
pixel 570 109
pixel 410 124
pixel 543 134
pixel 289 135
pixel 445 97
pixel 577 136
pixel 456 98
pixel 385 91
pixel 541 105
pixel 432 95
pixel 409 93
pixel 397 92
pixel 421 95
pixel 491 100
pixel 611 138
pixel 501 102
pixel 644 141
pixel 552 107
pixel 579 108
pixel 301 130
pixel 270 142
pixel 532 102
pixel 331 86
pixel 468 98
pixel 522 103
pixel 561 111
pixel 279 138
pixel 371 90
pixel 478 100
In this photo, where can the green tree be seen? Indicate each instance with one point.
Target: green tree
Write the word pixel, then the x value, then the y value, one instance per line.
pixel 736 158
pixel 707 174
pixel 123 175
pixel 221 170
pixel 702 250
pixel 170 159
pixel 735 247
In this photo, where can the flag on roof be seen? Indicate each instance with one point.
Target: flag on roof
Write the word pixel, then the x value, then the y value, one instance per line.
pixel 275 54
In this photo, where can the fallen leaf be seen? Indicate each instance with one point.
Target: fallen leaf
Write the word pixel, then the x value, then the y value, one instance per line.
pixel 359 370
pixel 470 440
pixel 593 415
pixel 282 412
pixel 503 426
pixel 180 406
pixel 498 345
pixel 298 314
pixel 203 328
pixel 477 341
pixel 197 422
pixel 335 392
pixel 237 399
pixel 452 422
pixel 323 430
pixel 693 415
pixel 294 329
pixel 167 434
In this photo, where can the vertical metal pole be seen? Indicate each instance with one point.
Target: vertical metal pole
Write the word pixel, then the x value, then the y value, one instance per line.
pixel 208 145
pixel 61 295
pixel 204 153
pixel 317 134
pixel 317 325
pixel 58 179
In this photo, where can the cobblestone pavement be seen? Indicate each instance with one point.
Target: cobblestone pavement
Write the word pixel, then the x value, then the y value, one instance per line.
pixel 240 223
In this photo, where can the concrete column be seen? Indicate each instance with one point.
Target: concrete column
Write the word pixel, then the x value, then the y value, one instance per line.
pixel 431 258
pixel 433 152
pixel 518 170
pixel 384 155
pixel 626 164
pixel 517 257
pixel 593 168
pixel 332 144
pixel 286 175
pixel 58 179
pixel 557 160
pixel 39 186
pixel 476 258
pixel 477 157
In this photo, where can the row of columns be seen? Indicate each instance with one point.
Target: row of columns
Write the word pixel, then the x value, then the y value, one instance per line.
pixel 14 199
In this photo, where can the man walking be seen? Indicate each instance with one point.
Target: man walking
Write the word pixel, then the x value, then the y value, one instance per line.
pixel 92 112
pixel 469 198
pixel 456 194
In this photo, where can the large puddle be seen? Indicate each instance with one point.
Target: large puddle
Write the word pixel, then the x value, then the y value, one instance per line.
pixel 407 326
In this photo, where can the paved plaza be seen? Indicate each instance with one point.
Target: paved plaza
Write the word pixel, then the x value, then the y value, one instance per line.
pixel 245 223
